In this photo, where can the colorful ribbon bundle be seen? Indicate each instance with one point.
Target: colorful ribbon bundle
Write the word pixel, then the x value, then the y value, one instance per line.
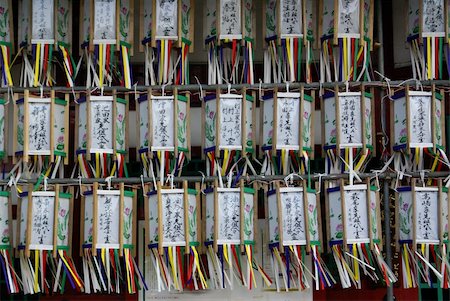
pixel 346 41
pixel 426 37
pixel 289 35
pixel 293 230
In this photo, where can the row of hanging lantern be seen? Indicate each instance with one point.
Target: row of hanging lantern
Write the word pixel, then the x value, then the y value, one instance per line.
pixel 292 29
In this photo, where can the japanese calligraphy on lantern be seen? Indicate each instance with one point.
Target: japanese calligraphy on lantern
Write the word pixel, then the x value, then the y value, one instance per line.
pixel 293 217
pixel 336 230
pixel 356 222
pixel 426 215
pixel 291 12
pixel 230 128
pixel 127 219
pixel 229 204
pixel 62 220
pixel 404 207
pixel 230 19
pixel 163 123
pixel 288 120
pixel 39 126
pixel 433 23
pixel 107 219
pixel 5 220
pixel 420 119
pixel 42 20
pixel 350 119
pixel 42 219
pixel 248 216
pixel 274 231
pixel 173 217
pixel 101 124
pixel 166 19
pixel 105 21
pixel 349 11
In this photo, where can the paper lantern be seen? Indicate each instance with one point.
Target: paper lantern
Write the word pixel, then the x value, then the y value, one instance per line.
pixel 228 23
pixel 40 130
pixel 107 231
pixel 164 132
pixel 353 221
pixel 167 30
pixel 173 230
pixel 45 231
pixel 294 229
pixel 229 223
pixel 107 26
pixel 288 27
pixel 102 128
pixel 7 244
pixel 352 29
pixel 426 34
pixel 43 25
pixel 229 128
pixel 6 41
pixel 353 129
pixel 419 231
pixel 287 120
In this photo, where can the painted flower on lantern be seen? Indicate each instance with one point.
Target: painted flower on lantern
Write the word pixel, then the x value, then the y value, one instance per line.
pixel 120 118
pixel 367 112
pixel 211 114
pixel 2 10
pixel 185 7
pixel 124 10
pixel 305 115
pixel 181 116
pixel 191 209
pixel 372 205
pixel 247 208
pixel 248 6
pixel 62 212
pixel 438 113
pixel 311 208
pixel 127 211
pixel 405 207
pixel 60 139
pixel 62 10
